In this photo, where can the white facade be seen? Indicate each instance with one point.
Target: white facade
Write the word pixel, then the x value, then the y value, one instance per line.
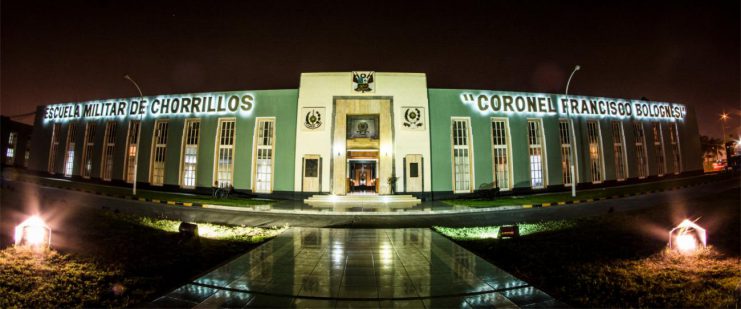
pixel 319 91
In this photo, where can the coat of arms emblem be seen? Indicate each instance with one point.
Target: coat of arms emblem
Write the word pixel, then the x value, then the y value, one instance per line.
pixel 363 81
pixel 413 118
pixel 313 119
pixel 362 128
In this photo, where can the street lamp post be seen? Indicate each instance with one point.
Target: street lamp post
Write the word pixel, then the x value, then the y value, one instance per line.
pixel 723 118
pixel 573 138
pixel 138 132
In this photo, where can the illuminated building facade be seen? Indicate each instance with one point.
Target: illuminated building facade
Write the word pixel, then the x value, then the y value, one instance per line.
pixel 349 132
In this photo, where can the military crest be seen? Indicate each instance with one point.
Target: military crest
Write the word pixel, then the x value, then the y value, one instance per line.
pixel 362 81
pixel 313 117
pixel 362 128
pixel 413 118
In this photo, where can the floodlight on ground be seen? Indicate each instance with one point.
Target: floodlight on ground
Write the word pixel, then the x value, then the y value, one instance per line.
pixel 33 233
pixel 686 237
pixel 188 230
pixel 509 231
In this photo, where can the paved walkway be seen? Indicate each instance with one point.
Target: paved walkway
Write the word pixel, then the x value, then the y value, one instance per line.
pixel 351 268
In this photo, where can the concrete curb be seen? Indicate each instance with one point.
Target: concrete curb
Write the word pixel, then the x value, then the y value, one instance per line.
pixel 572 202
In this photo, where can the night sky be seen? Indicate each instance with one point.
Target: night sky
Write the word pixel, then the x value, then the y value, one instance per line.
pixel 673 51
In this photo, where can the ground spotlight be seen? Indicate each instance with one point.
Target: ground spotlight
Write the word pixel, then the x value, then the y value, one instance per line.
pixel 686 236
pixel 509 231
pixel 188 230
pixel 33 233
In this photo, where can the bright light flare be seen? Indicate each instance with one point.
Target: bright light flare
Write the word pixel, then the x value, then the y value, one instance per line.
pixel 685 237
pixel 686 243
pixel 33 233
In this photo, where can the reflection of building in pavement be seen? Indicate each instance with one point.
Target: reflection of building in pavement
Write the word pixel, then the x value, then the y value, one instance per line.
pixel 315 267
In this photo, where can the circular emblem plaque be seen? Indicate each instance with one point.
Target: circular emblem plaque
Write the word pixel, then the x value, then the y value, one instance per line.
pixel 313 119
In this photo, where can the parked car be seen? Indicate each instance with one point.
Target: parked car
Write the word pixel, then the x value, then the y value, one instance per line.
pixel 719 165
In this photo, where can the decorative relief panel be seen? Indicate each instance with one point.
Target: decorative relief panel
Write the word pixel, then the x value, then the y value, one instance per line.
pixel 413 118
pixel 314 118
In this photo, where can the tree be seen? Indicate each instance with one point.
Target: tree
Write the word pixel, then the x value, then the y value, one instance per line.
pixel 710 146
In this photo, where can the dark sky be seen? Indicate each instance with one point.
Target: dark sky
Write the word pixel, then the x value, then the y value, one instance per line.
pixel 675 51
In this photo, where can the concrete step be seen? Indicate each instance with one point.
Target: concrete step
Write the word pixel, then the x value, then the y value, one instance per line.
pixel 323 198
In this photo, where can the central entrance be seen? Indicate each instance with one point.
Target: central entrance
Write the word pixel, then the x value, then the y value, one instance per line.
pixel 362 168
pixel 362 139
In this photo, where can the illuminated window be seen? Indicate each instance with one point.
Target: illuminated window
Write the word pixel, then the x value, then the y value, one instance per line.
pixel 674 142
pixel 132 142
pixel 564 130
pixel 69 152
pixel 641 156
pixel 659 149
pixel 10 152
pixel 87 150
pixel 109 143
pixel 461 135
pixel 618 140
pixel 536 155
pixel 264 141
pixel 53 147
pixel 595 151
pixel 159 151
pixel 225 157
pixel 190 153
pixel 500 152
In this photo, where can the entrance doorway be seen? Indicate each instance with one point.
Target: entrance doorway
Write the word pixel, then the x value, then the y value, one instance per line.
pixel 362 177
pixel 363 129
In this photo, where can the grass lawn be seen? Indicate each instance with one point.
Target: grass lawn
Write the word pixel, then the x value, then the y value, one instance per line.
pixel 156 195
pixel 580 195
pixel 620 259
pixel 105 259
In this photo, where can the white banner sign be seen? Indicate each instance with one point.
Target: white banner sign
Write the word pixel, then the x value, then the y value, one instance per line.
pixel 180 105
pixel 571 106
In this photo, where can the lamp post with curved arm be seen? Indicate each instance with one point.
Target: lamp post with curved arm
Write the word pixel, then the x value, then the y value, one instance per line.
pixel 723 118
pixel 138 132
pixel 573 138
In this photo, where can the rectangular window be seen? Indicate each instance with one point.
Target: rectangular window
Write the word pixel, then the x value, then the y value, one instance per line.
pixel 10 152
pixel 132 142
pixel 500 152
pixel 225 156
pixel 88 145
pixel 659 149
pixel 159 152
pixel 461 135
pixel 264 141
pixel 190 153
pixel 595 151
pixel 69 152
pixel 109 143
pixel 53 148
pixel 618 140
pixel 641 156
pixel 564 130
pixel 674 141
pixel 535 152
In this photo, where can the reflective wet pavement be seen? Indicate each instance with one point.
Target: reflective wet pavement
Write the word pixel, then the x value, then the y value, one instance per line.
pixel 358 268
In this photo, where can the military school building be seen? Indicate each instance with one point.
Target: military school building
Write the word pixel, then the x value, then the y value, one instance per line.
pixel 371 133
